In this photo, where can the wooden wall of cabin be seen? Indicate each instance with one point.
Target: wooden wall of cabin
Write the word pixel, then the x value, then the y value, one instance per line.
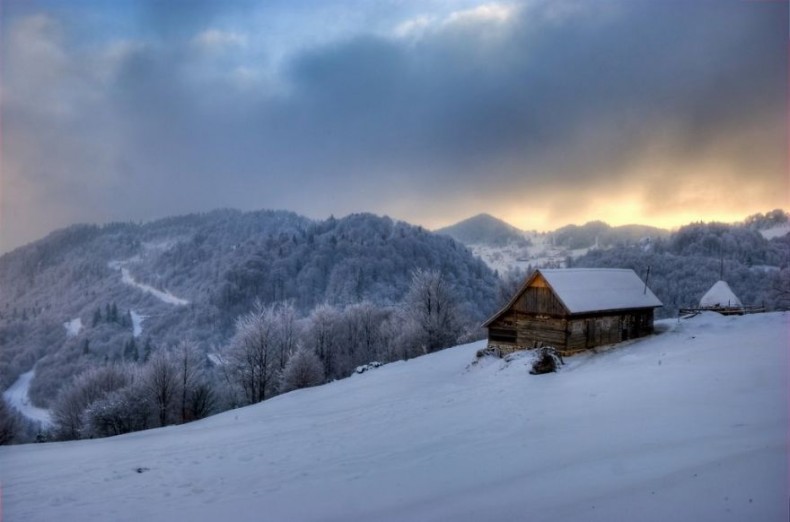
pixel 539 329
pixel 592 331
pixel 502 332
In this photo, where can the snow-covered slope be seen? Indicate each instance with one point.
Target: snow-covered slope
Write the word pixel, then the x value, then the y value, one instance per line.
pixel 690 424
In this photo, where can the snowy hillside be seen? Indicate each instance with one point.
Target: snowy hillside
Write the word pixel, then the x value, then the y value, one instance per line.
pixel 690 424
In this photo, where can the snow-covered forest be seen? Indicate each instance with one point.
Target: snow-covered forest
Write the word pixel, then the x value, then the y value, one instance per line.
pixel 687 263
pixel 349 291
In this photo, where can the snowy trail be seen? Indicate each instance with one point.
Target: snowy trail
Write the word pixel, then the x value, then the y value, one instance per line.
pixel 17 396
pixel 163 296
pixel 126 277
pixel 690 424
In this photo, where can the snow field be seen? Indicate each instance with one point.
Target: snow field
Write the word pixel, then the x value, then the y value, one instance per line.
pixel 137 323
pixel 690 424
pixel 73 327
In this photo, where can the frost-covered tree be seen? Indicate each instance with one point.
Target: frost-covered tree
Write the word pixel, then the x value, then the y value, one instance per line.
pixel 90 386
pixel 286 333
pixel 432 311
pixel 252 354
pixel 304 369
pixel 321 336
pixel 121 411
pixel 161 384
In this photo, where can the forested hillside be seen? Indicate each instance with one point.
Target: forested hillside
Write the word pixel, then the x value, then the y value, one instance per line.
pixel 93 295
pixel 687 263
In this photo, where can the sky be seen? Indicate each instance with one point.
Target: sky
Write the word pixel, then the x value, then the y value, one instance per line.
pixel 540 112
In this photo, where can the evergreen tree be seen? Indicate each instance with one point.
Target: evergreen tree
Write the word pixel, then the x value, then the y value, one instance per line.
pixel 148 347
pixel 130 351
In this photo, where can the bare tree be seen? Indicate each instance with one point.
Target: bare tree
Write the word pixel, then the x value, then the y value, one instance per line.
pixel 161 384
pixel 431 308
pixel 196 395
pixel 252 353
pixel 287 333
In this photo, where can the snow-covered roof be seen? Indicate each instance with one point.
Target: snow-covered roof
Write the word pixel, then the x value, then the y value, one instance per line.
pixel 720 295
pixel 597 289
pixel 584 290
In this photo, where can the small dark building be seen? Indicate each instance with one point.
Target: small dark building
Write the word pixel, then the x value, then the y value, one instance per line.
pixel 574 309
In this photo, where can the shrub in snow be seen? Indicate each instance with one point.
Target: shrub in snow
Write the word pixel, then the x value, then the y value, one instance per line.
pixel 122 411
pixel 303 369
pixel 489 351
pixel 366 367
pixel 547 360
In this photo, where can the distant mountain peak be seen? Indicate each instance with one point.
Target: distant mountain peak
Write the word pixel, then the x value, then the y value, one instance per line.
pixel 483 229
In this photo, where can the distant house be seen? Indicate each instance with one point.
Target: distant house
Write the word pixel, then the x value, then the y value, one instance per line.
pixel 574 309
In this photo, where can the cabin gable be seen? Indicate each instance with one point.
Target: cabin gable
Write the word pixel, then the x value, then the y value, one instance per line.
pixel 539 298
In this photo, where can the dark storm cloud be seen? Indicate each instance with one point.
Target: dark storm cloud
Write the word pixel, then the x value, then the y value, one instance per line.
pixel 542 94
pixel 474 107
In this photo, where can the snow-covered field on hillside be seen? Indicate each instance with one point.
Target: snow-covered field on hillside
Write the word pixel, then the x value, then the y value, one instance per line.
pixel 688 425
pixel 73 327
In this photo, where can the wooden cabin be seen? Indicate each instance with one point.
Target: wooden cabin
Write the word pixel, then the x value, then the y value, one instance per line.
pixel 574 309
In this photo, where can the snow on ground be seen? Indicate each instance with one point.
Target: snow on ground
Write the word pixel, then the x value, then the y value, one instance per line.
pixel 17 397
pixel 137 323
pixel 687 425
pixel 73 327
pixel 777 231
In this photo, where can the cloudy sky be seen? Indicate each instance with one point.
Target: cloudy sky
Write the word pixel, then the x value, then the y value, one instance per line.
pixel 541 112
